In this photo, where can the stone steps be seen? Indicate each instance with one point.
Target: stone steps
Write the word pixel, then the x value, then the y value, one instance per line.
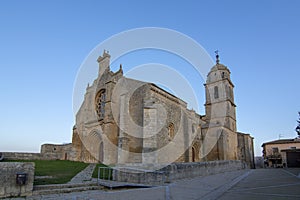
pixel 67 185
pixel 64 188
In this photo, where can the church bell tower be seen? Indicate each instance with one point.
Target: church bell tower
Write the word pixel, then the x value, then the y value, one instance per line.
pixel 104 62
pixel 220 110
pixel 220 106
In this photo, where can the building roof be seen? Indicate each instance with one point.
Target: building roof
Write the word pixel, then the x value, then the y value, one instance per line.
pixel 219 67
pixel 282 141
pixel 245 134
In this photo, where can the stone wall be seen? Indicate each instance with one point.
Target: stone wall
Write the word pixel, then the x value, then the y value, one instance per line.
pixel 245 149
pixel 23 156
pixel 57 151
pixel 176 171
pixel 48 152
pixel 8 176
pixel 189 170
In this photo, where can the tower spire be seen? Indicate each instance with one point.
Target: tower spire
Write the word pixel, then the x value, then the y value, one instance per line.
pixel 217 56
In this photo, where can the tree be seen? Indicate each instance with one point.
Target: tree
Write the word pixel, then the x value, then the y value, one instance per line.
pixel 298 126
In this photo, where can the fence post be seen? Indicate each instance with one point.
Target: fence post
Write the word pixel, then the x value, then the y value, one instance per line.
pixel 98 175
pixel 108 178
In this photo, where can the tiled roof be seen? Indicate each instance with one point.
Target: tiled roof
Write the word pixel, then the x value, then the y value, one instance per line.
pixel 282 141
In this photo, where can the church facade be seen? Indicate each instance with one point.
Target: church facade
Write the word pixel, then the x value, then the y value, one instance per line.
pixel 123 121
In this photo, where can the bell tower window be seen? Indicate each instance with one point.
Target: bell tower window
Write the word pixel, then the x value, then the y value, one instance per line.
pixel 216 92
pixel 100 104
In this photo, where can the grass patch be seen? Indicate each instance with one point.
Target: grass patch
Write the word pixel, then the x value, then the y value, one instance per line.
pixel 60 171
pixel 103 173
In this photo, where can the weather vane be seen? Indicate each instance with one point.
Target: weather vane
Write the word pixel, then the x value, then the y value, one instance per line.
pixel 217 56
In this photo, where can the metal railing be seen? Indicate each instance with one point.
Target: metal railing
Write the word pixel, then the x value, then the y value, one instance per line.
pixel 104 173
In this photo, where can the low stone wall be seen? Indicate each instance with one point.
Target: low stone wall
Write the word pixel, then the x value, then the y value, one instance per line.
pixel 28 156
pixel 139 176
pixel 176 171
pixel 190 170
pixel 8 179
pixel 48 152
pixel 21 156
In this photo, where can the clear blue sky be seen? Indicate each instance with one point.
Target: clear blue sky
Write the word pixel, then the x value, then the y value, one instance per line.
pixel 43 43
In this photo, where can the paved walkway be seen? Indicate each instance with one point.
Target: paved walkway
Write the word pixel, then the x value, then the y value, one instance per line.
pixel 207 187
pixel 244 184
pixel 272 184
pixel 84 176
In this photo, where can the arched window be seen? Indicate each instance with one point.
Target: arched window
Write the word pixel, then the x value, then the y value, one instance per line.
pixel 216 92
pixel 100 104
pixel 171 131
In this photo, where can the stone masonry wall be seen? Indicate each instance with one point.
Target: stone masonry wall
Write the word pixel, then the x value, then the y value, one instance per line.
pixel 57 151
pixel 176 171
pixel 48 152
pixel 189 170
pixel 25 156
pixel 30 156
pixel 8 175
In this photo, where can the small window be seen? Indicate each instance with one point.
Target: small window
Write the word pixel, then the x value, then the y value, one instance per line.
pixel 293 147
pixel 171 131
pixel 216 92
pixel 223 74
pixel 275 150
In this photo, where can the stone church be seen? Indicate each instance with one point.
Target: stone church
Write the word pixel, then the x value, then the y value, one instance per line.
pixel 127 121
